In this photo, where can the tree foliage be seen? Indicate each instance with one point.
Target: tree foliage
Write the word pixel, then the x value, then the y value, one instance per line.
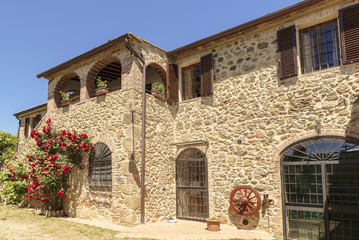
pixel 7 147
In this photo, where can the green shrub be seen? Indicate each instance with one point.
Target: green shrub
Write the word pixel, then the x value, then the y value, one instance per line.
pixel 13 182
pixel 7 147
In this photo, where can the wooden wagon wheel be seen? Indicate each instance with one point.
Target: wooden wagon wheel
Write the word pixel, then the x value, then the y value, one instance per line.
pixel 245 200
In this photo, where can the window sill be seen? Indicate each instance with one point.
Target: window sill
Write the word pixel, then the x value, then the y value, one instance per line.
pixel 320 71
pixel 191 100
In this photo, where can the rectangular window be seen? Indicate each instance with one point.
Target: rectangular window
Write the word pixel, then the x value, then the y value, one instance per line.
pixel 191 82
pixel 319 47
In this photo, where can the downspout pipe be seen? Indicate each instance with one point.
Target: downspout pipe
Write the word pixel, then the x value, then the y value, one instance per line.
pixel 143 147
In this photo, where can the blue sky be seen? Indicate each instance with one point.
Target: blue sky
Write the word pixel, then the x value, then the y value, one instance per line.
pixel 38 35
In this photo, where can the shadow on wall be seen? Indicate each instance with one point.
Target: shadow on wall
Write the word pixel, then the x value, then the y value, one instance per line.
pixel 241 221
pixel 134 170
pixel 353 125
pixel 76 181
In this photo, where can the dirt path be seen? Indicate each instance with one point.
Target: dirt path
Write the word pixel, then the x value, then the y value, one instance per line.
pixel 21 223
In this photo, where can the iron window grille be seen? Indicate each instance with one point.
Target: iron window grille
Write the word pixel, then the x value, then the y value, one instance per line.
pixel 100 166
pixel 319 47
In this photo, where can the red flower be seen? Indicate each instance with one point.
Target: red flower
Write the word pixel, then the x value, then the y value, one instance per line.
pixel 27 195
pixel 60 193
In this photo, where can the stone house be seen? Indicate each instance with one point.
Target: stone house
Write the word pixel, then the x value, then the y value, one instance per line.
pixel 28 120
pixel 271 104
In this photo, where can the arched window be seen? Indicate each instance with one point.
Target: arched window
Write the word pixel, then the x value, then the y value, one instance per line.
pixel 100 165
pixel 320 189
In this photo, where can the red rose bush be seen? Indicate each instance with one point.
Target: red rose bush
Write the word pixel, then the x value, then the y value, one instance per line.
pixel 51 164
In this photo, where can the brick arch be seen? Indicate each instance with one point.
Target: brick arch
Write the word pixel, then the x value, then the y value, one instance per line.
pixel 60 86
pixel 95 69
pixel 159 70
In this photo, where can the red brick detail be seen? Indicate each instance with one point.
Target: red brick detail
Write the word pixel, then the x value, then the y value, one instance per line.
pixel 95 69
pixel 60 86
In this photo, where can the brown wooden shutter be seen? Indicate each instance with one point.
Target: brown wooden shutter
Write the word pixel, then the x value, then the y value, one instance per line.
pixel 27 125
pixel 349 33
pixel 37 120
pixel 172 82
pixel 287 49
pixel 207 75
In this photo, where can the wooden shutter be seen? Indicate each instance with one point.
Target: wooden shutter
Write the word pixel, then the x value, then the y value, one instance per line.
pixel 207 75
pixel 287 49
pixel 349 33
pixel 37 119
pixel 172 82
pixel 27 125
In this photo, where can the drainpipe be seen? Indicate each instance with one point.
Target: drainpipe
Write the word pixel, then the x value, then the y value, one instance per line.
pixel 143 129
pixel 18 132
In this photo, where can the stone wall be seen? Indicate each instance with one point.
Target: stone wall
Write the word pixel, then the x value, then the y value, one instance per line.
pixel 252 104
pixel 111 124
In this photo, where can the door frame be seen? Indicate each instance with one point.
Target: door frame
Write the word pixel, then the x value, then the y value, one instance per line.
pixel 205 189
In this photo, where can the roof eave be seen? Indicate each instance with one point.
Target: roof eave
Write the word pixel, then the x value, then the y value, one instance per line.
pixel 244 26
pixel 84 56
pixel 32 109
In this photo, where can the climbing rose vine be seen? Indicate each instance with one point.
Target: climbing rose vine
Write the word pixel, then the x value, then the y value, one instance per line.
pixel 51 164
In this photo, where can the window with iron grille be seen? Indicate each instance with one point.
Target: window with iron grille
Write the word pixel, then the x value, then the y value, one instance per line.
pixel 319 47
pixel 100 166
pixel 191 82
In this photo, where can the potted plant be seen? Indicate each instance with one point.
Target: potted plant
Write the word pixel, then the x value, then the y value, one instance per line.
pixel 158 90
pixel 101 87
pixel 213 224
pixel 65 99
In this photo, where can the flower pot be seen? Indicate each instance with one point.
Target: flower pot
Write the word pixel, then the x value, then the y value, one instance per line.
pixel 101 91
pixel 65 103
pixel 213 225
pixel 158 95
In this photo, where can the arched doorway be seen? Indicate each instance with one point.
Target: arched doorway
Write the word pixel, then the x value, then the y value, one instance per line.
pixel 320 189
pixel 191 185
